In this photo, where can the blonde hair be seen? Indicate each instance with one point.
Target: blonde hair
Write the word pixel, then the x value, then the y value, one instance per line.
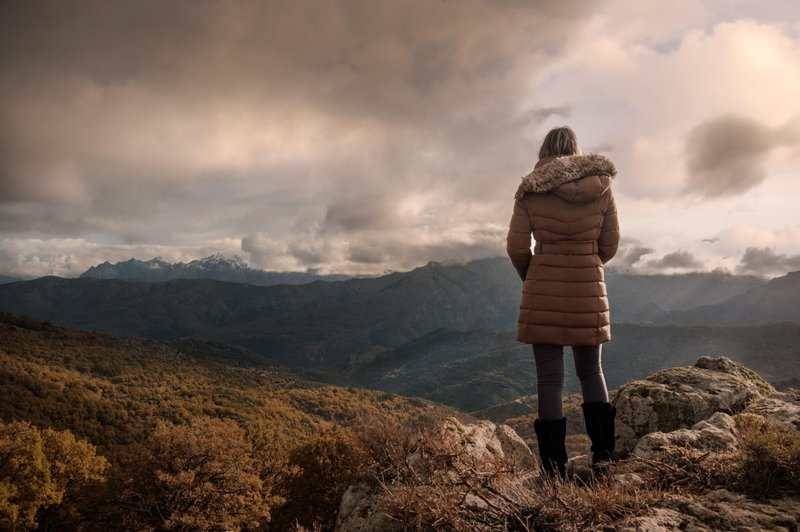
pixel 559 141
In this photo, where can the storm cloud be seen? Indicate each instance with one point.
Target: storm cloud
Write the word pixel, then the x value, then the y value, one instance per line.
pixel 360 137
pixel 679 259
pixel 629 255
pixel 726 155
pixel 765 261
pixel 171 123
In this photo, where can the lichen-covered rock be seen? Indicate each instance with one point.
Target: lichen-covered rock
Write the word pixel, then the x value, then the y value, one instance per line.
pixel 485 440
pixel 715 510
pixel 717 434
pixel 781 407
pixel 676 398
pixel 720 509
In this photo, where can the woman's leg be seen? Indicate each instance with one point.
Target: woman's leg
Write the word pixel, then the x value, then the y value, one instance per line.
pixel 598 413
pixel 549 379
pixel 590 372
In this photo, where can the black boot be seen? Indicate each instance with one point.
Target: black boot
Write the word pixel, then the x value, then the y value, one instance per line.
pixel 599 418
pixel 551 435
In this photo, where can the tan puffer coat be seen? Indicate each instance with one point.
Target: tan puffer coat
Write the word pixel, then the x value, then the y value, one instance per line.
pixel 568 205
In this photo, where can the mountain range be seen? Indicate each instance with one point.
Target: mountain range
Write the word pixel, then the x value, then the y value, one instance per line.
pixel 298 325
pixel 443 332
pixel 216 267
pixel 777 300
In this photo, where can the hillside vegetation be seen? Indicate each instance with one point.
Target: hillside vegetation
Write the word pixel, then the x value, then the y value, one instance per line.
pixel 113 390
pixel 174 421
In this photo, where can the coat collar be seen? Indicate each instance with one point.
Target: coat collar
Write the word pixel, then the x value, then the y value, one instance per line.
pixel 552 172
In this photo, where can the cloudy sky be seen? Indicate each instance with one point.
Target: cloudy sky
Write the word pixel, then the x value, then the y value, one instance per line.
pixel 362 136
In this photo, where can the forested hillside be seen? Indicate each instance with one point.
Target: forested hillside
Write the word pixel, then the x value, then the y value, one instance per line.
pixel 161 411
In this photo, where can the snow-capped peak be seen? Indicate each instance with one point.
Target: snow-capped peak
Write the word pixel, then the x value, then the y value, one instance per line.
pixel 219 260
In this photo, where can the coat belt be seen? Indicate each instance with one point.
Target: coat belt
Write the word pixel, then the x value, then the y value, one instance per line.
pixel 566 248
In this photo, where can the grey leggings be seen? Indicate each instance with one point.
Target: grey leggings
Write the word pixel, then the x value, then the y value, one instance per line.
pixel 550 376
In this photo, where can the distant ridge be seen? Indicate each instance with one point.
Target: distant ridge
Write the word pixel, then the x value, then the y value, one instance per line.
pixel 777 300
pixel 215 267
pixel 636 298
pixel 5 279
pixel 320 324
pixel 442 332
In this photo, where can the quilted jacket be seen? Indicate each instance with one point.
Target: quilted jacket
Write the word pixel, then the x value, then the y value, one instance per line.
pixel 567 205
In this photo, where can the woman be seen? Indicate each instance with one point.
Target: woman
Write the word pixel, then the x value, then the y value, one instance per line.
pixel 568 205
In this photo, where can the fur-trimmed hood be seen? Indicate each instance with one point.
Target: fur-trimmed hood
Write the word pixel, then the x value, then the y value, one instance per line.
pixel 561 174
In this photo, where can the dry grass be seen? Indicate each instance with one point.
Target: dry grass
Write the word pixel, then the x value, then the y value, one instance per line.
pixel 597 506
pixel 765 465
pixel 434 483
pixel 684 470
pixel 439 485
pixel 770 459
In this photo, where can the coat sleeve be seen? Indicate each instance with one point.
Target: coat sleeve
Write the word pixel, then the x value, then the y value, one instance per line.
pixel 518 241
pixel 608 241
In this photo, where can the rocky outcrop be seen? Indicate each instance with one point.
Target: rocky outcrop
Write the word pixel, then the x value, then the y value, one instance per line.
pixel 716 434
pixel 676 398
pixel 716 510
pixel 705 409
pixel 781 407
pixel 467 450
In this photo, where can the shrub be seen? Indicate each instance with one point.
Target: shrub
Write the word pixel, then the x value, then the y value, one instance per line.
pixel 386 442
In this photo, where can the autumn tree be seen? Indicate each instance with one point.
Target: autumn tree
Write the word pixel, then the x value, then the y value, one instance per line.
pixel 319 472
pixel 42 469
pixel 199 476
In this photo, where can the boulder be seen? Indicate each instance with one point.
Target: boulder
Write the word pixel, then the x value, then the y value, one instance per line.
pixel 720 509
pixel 717 509
pixel 485 440
pixel 716 434
pixel 781 407
pixel 679 397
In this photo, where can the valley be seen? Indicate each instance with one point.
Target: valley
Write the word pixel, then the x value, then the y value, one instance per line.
pixel 440 332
